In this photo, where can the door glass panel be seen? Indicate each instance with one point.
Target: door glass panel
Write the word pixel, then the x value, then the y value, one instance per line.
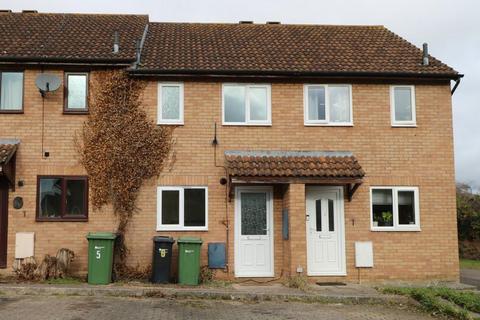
pixel 318 214
pixel 331 216
pixel 170 207
pixel 254 213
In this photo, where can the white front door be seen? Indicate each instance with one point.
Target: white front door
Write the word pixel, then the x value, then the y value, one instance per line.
pixel 325 231
pixel 254 232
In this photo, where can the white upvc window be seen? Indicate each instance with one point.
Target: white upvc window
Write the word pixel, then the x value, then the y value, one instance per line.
pixel 394 209
pixel 327 105
pixel 170 103
pixel 246 104
pixel 182 208
pixel 402 105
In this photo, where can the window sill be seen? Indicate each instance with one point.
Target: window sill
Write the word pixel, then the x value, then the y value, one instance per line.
pixel 170 123
pixel 84 219
pixel 11 111
pixel 398 125
pixel 230 124
pixel 328 124
pixel 392 229
pixel 180 229
pixel 75 112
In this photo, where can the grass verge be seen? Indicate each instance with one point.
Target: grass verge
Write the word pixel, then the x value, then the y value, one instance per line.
pixel 470 264
pixel 434 300
pixel 64 281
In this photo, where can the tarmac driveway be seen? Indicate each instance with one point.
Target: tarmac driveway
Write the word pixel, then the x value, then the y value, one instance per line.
pixel 105 308
pixel 470 276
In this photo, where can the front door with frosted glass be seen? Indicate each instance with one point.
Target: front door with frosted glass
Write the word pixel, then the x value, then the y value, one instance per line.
pixel 325 231
pixel 253 232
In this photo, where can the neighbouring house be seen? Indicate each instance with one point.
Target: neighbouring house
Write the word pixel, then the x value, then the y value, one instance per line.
pixel 319 150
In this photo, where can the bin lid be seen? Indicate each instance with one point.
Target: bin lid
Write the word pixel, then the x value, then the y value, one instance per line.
pixel 101 235
pixel 163 239
pixel 190 240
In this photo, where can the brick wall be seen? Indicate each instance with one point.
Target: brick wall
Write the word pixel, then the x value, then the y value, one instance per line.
pixel 421 156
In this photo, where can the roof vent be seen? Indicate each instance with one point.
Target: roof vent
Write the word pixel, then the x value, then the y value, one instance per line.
pixel 245 22
pixel 5 11
pixel 116 42
pixel 29 11
pixel 425 61
pixel 273 22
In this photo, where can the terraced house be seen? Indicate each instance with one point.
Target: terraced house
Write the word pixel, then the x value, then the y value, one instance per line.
pixel 319 150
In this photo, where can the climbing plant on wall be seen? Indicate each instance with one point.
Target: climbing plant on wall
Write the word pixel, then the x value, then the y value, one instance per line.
pixel 120 148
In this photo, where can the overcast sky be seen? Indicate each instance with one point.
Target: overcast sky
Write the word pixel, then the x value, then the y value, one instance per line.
pixel 451 28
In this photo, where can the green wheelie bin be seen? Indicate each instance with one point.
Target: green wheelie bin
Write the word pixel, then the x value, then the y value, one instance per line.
pixel 100 257
pixel 189 260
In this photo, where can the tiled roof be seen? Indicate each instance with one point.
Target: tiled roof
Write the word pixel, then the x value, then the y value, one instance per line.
pixel 281 49
pixel 292 164
pixel 7 150
pixel 77 37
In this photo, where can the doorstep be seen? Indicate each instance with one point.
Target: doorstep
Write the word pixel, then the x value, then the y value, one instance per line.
pixel 273 292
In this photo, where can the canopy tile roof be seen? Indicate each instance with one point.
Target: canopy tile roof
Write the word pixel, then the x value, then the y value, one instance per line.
pixel 8 147
pixel 276 48
pixel 293 164
pixel 74 37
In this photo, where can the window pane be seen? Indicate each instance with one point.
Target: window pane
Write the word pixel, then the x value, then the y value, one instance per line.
pixel 382 206
pixel 403 104
pixel 254 213
pixel 258 103
pixel 194 207
pixel 316 103
pixel 406 207
pixel 331 216
pixel 50 205
pixel 171 102
pixel 76 192
pixel 339 101
pixel 234 99
pixel 12 91
pixel 170 207
pixel 77 91
pixel 318 214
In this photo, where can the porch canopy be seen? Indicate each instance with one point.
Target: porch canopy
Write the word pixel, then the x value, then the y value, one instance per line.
pixel 8 149
pixel 285 167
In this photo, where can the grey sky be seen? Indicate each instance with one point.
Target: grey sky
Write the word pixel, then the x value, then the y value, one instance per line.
pixel 451 28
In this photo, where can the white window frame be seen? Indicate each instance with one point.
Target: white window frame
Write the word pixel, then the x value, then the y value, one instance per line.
pixel 326 122
pixel 247 121
pixel 396 226
pixel 395 123
pixel 160 120
pixel 180 226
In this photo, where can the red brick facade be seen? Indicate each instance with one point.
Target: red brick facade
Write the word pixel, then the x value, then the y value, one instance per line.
pixel 419 156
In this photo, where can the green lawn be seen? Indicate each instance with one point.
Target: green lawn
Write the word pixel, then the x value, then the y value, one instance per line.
pixel 470 264
pixel 453 304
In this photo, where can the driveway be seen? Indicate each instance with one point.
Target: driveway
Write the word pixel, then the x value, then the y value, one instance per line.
pixel 82 308
pixel 470 276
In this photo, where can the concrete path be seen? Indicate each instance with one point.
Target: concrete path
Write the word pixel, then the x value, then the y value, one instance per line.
pixel 110 308
pixel 470 276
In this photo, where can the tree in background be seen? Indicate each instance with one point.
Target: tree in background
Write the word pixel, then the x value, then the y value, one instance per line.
pixel 468 221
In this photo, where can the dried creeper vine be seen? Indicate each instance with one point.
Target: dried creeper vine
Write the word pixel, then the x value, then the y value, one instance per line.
pixel 120 148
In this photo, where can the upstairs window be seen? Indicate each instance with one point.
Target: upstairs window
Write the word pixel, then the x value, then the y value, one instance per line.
pixel 62 198
pixel 76 93
pixel 182 208
pixel 11 94
pixel 328 105
pixel 170 103
pixel 402 100
pixel 246 104
pixel 395 209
